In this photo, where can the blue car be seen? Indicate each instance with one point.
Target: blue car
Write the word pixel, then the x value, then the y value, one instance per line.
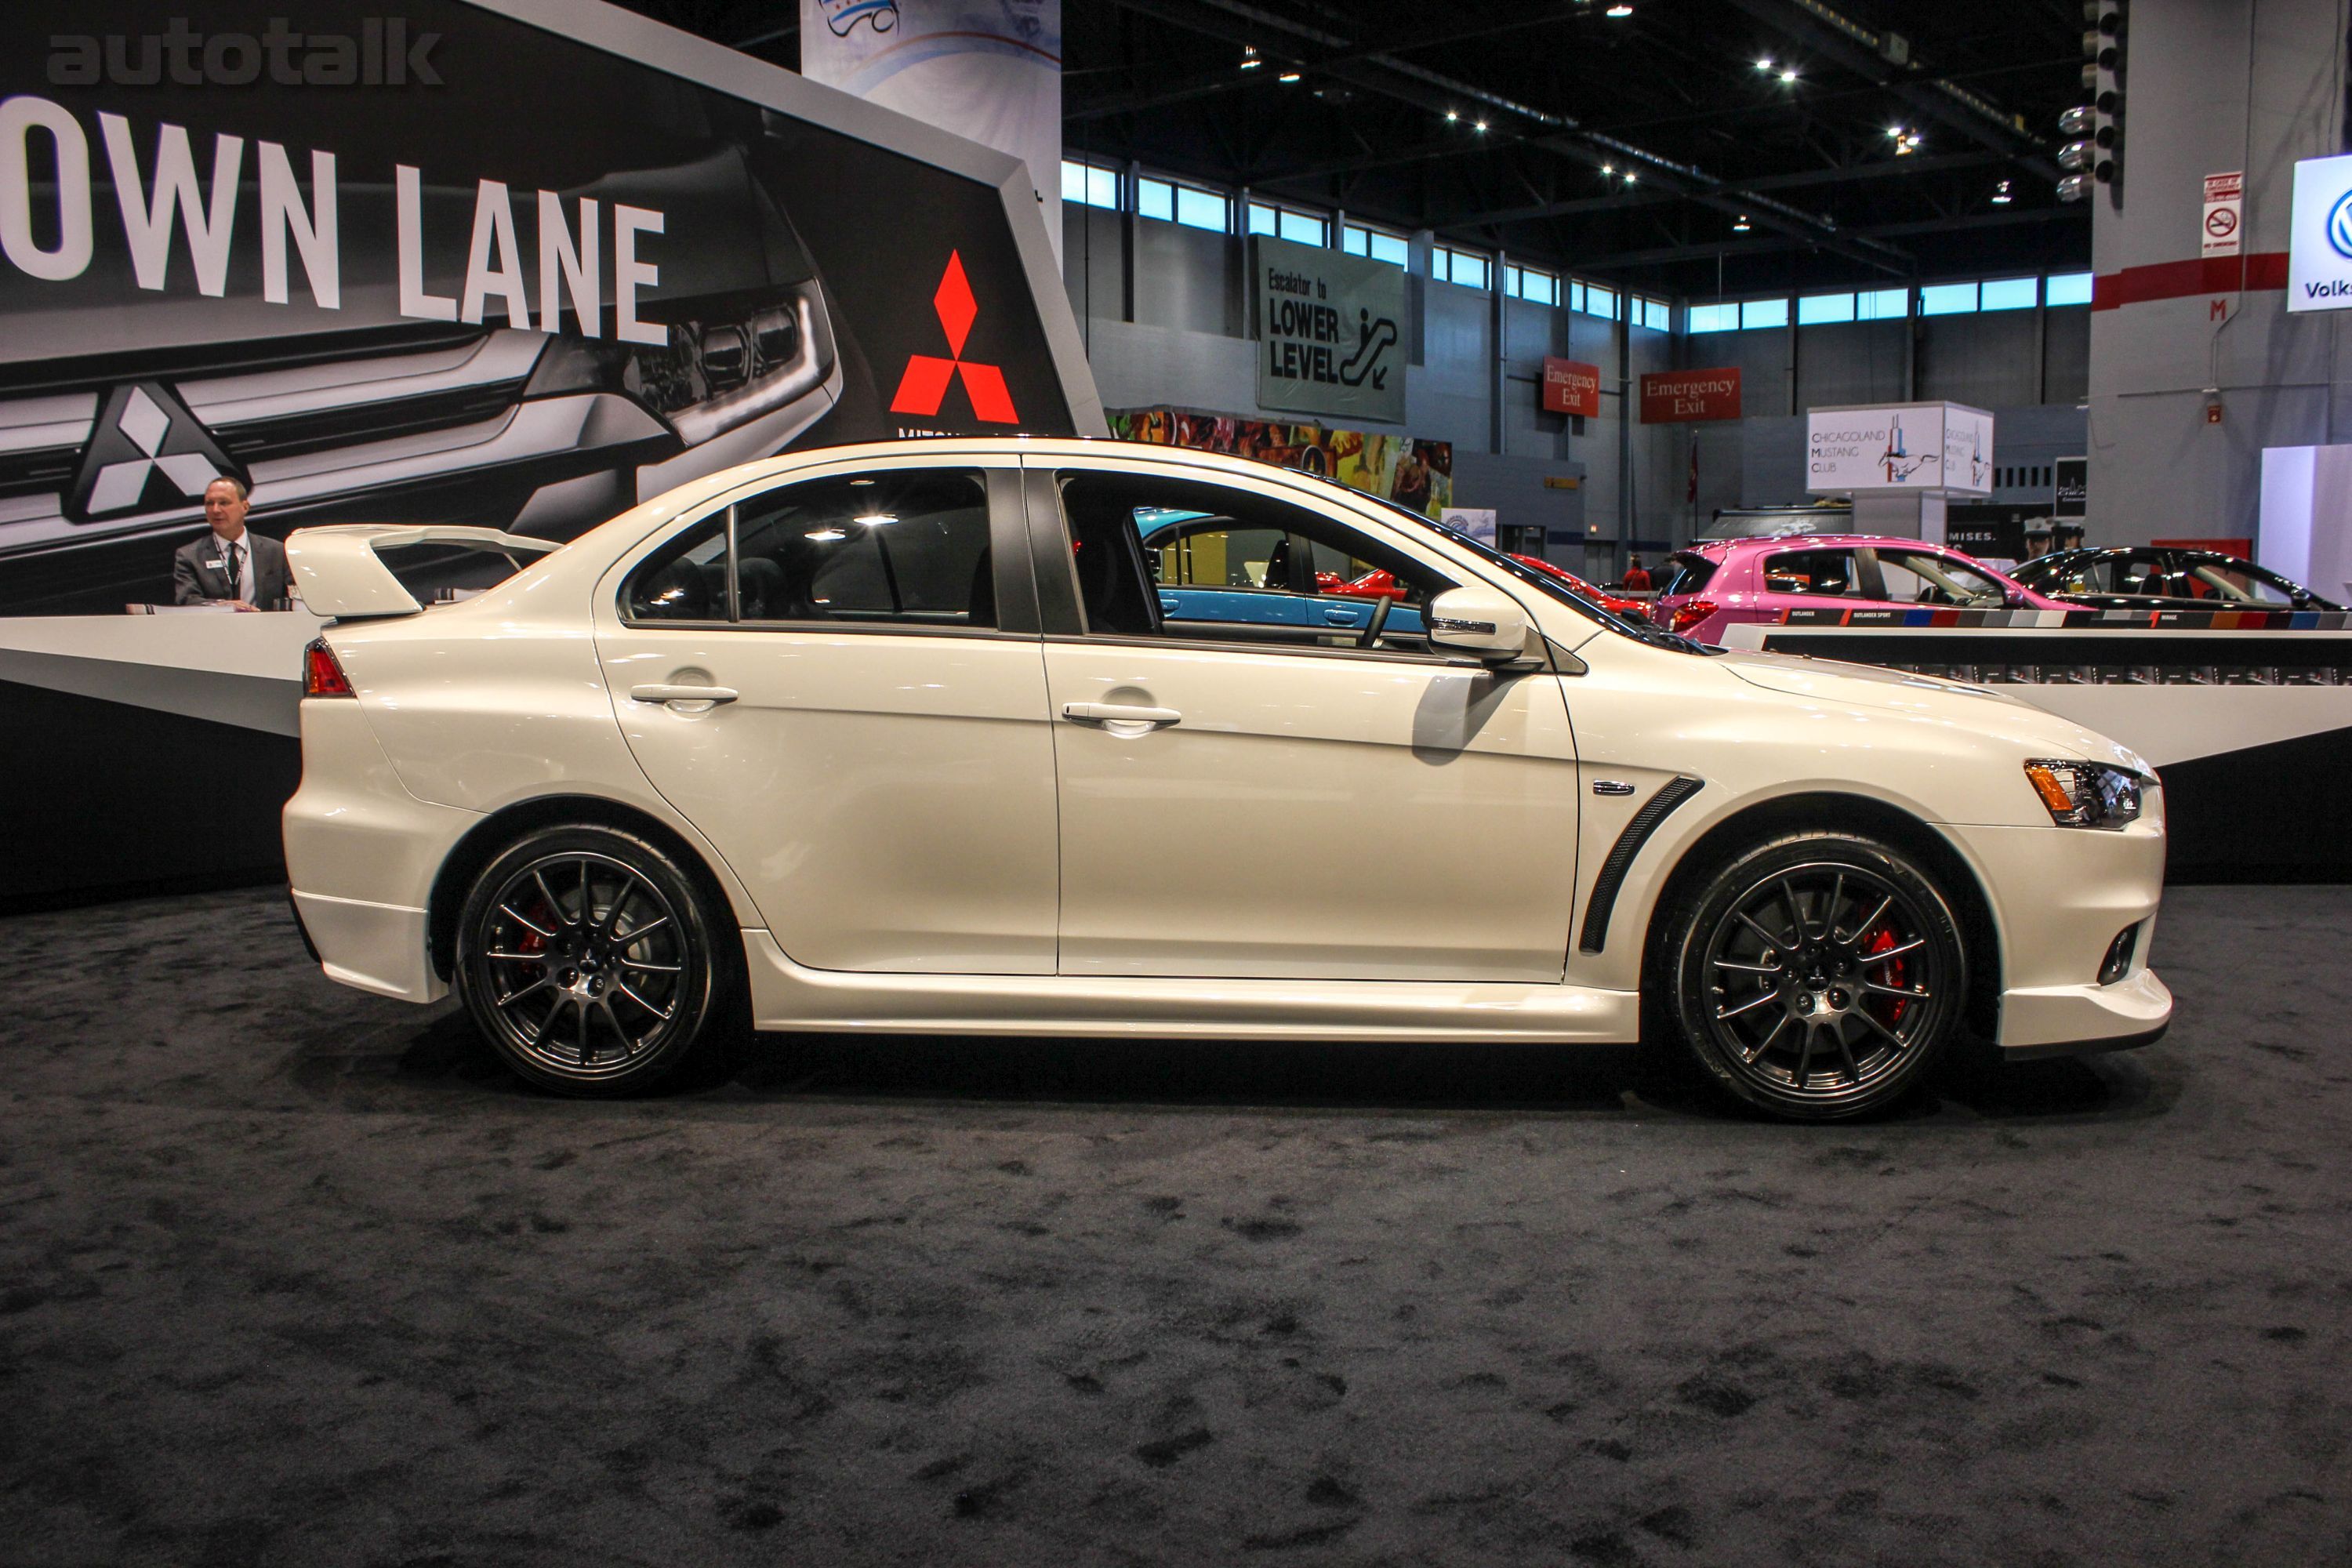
pixel 1213 569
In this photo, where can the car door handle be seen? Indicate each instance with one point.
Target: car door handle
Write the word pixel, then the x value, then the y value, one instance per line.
pixel 682 694
pixel 1341 617
pixel 1119 718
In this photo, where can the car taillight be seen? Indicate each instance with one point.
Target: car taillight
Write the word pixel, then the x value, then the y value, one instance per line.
pixel 322 675
pixel 1690 615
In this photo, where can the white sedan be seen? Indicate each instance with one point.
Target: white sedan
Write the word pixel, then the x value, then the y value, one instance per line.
pixel 923 737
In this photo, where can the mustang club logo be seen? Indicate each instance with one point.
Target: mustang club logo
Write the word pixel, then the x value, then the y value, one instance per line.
pixel 148 453
pixel 924 386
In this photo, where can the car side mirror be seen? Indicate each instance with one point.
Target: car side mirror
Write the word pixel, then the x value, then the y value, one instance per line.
pixel 1483 622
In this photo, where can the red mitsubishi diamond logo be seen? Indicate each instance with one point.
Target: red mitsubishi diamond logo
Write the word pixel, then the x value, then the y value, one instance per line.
pixel 925 386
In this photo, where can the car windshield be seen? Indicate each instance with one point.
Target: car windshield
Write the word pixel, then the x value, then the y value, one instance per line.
pixel 2242 582
pixel 1544 582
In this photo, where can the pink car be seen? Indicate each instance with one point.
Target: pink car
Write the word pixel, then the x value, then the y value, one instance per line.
pixel 1720 582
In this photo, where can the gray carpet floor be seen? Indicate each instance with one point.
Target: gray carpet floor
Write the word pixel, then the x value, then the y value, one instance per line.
pixel 291 1276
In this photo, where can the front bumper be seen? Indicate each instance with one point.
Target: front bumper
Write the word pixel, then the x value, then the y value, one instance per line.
pixel 2059 896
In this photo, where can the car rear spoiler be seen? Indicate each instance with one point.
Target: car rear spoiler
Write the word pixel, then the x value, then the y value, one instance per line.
pixel 339 572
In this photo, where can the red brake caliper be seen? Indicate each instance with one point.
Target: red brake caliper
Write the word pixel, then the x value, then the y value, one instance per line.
pixel 1891 973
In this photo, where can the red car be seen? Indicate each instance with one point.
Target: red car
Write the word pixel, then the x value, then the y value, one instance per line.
pixel 1377 584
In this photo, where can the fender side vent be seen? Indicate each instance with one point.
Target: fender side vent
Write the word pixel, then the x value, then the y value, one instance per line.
pixel 1654 810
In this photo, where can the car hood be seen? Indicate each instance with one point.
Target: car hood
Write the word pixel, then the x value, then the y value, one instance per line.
pixel 1980 709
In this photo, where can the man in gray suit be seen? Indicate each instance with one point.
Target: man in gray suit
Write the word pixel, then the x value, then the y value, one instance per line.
pixel 230 564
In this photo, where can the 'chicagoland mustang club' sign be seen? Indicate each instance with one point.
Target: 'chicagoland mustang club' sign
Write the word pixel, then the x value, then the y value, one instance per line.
pixel 1330 332
pixel 1931 448
pixel 1681 396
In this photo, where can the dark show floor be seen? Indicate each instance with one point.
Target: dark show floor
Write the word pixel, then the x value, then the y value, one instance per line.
pixel 291 1276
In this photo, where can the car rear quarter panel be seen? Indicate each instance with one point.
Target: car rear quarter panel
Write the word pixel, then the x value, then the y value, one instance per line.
pixel 500 701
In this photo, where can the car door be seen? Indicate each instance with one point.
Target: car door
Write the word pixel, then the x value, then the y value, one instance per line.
pixel 838 679
pixel 1268 800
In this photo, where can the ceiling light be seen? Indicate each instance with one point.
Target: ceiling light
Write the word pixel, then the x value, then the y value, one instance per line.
pixel 825 535
pixel 1621 12
pixel 1480 126
pixel 1741 225
pixel 1788 76
pixel 1288 76
pixel 2000 194
pixel 1452 115
pixel 1895 132
pixel 1608 168
pixel 1765 63
pixel 1250 61
pixel 874 519
pixel 1629 177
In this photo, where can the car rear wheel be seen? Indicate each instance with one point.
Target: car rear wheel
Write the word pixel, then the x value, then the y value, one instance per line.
pixel 1818 976
pixel 591 962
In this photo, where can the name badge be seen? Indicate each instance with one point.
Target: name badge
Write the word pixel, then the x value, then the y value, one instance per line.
pixel 216 565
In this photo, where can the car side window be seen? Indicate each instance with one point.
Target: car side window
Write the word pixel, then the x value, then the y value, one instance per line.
pixel 1187 558
pixel 1924 577
pixel 1828 573
pixel 898 547
pixel 1686 573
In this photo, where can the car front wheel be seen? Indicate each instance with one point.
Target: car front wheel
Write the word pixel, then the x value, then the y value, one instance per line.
pixel 1818 976
pixel 588 959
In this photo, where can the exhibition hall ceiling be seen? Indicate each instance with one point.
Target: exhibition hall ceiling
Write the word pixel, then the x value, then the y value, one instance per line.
pixel 1768 142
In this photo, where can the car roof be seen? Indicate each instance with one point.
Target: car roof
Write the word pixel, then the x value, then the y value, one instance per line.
pixel 1835 541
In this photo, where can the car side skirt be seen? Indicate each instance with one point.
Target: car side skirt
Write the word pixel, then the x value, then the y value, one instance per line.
pixel 787 996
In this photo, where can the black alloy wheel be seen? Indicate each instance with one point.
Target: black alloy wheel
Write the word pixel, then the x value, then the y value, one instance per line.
pixel 1819 976
pixel 588 960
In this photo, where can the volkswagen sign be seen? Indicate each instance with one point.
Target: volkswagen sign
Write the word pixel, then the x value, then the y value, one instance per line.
pixel 2319 250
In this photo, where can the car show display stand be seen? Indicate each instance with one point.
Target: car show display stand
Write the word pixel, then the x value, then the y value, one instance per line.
pixel 2251 731
pixel 147 752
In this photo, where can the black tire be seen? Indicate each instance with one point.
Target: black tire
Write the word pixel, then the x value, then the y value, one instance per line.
pixel 1817 976
pixel 593 962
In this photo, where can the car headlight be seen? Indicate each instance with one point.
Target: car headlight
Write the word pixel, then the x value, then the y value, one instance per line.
pixel 2086 794
pixel 713 374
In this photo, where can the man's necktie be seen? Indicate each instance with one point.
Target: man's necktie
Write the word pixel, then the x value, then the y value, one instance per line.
pixel 236 572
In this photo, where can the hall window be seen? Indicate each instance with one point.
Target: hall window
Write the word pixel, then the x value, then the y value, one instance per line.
pixel 1451 265
pixel 2067 288
pixel 1090 185
pixel 1526 283
pixel 1948 300
pixel 2008 294
pixel 1357 240
pixel 1191 206
pixel 1820 309
pixel 1714 318
pixel 1657 315
pixel 1600 302
pixel 1759 313
pixel 1289 222
pixel 1881 304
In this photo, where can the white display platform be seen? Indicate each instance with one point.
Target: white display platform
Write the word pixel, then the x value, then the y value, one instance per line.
pixel 236 668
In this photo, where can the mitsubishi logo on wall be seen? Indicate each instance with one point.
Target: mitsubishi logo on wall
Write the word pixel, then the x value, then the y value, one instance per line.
pixel 148 453
pixel 924 386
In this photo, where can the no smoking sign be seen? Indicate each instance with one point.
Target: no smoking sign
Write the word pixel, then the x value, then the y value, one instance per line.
pixel 2225 201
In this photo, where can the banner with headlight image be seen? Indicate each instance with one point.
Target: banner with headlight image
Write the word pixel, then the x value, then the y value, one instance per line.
pixel 520 263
